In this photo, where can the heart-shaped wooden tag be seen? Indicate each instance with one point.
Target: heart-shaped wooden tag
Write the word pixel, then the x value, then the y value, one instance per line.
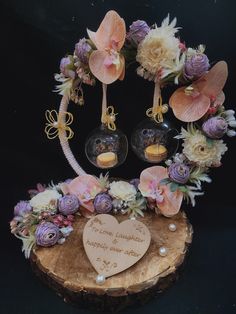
pixel 112 246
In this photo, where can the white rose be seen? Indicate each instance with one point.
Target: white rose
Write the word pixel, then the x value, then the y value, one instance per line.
pixel 122 190
pixel 46 200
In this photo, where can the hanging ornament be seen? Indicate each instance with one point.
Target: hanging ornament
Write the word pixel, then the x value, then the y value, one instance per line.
pixel 153 140
pixel 106 146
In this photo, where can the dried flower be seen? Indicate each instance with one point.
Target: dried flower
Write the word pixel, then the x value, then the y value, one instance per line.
pixel 196 65
pixel 137 31
pixel 103 203
pixel 46 200
pixel 22 208
pixel 68 204
pixel 135 182
pixel 82 49
pixel 67 67
pixel 47 234
pixel 199 150
pixel 179 173
pixel 159 50
pixel 215 127
pixel 122 190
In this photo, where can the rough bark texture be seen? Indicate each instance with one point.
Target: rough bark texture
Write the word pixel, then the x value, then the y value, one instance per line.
pixel 66 268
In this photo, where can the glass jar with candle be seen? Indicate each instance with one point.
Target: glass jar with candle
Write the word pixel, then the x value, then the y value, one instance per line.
pixel 154 142
pixel 106 148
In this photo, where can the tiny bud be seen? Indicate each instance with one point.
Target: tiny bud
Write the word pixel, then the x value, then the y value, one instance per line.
pixel 232 123
pixel 231 133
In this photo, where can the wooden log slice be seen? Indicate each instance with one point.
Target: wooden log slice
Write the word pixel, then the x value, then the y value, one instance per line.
pixel 67 270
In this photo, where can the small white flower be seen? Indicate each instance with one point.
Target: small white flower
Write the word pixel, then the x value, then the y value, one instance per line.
pixel 232 124
pixel 231 133
pixel 122 190
pixel 46 200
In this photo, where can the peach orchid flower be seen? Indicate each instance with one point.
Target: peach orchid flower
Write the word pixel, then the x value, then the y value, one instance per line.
pixel 192 103
pixel 106 63
pixel 168 202
pixel 85 187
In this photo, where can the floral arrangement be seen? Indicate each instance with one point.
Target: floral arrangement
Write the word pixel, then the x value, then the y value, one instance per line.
pixel 163 58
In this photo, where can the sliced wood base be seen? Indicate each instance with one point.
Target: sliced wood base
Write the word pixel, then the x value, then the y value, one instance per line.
pixel 66 268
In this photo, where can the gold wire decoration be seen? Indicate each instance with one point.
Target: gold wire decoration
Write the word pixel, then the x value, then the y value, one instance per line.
pixel 156 112
pixel 56 123
pixel 109 118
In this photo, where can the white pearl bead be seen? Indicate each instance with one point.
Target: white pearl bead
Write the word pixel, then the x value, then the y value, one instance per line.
pixel 163 251
pixel 100 279
pixel 172 227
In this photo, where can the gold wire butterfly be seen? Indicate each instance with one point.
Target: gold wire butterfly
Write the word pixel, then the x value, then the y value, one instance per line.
pixel 57 122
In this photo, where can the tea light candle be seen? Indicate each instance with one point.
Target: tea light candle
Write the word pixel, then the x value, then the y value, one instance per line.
pixel 107 160
pixel 155 152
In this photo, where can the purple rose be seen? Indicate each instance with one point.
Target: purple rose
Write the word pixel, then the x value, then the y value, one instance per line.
pixel 22 208
pixel 179 172
pixel 137 31
pixel 102 203
pixel 67 67
pixel 215 127
pixel 196 66
pixel 47 234
pixel 68 204
pixel 82 49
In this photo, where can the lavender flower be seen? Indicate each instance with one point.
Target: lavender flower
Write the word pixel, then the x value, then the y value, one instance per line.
pixel 215 127
pixel 179 173
pixel 67 67
pixel 82 49
pixel 22 208
pixel 196 65
pixel 135 182
pixel 47 234
pixel 137 31
pixel 68 204
pixel 103 203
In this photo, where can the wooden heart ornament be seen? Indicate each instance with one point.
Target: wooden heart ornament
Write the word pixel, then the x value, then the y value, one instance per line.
pixel 112 246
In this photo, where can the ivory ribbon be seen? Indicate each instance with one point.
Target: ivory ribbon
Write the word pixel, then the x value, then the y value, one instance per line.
pixel 156 111
pixel 108 114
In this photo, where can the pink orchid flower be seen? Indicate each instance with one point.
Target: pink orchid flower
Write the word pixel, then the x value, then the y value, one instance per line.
pixel 106 63
pixel 191 104
pixel 85 187
pixel 168 202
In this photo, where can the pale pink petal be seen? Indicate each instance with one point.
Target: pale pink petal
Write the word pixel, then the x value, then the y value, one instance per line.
pixel 111 32
pixel 189 108
pixel 92 36
pixel 83 187
pixel 171 203
pixel 148 175
pixel 87 208
pixel 103 73
pixel 212 83
pixel 220 99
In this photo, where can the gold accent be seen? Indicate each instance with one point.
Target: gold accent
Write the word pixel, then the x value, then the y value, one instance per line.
pixel 109 118
pixel 56 123
pixel 156 112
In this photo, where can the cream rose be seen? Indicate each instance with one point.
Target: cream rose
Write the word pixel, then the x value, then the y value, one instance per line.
pixel 122 190
pixel 46 200
pixel 197 149
pixel 159 49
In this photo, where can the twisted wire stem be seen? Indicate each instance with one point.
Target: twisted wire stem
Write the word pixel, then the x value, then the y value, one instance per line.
pixel 64 139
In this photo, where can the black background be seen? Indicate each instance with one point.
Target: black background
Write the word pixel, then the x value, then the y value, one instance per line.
pixel 34 36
